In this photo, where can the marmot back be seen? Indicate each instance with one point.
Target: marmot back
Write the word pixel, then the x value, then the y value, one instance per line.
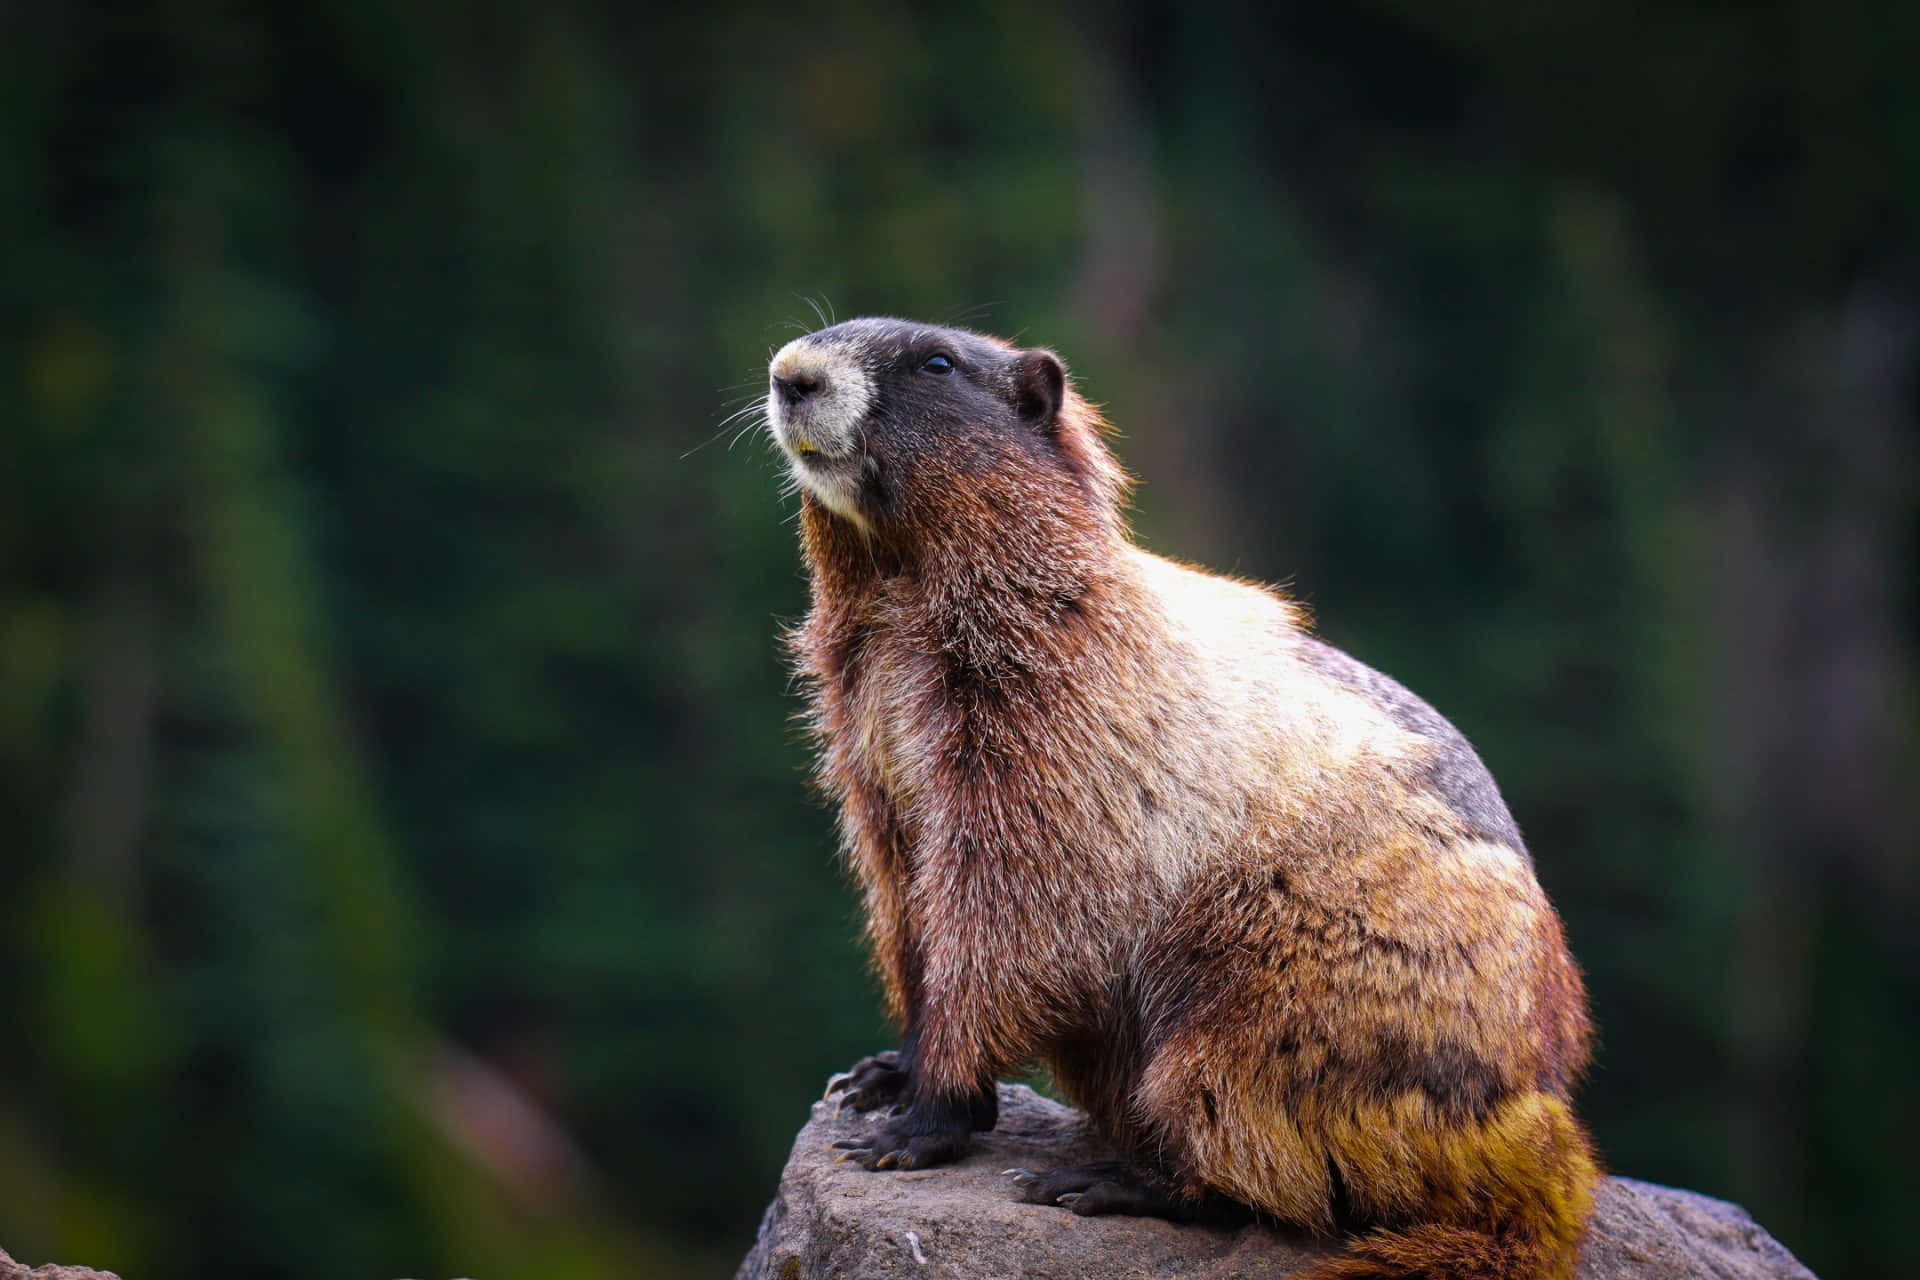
pixel 1260 910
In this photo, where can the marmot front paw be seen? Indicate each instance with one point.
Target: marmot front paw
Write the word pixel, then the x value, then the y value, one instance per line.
pixel 876 1081
pixel 915 1139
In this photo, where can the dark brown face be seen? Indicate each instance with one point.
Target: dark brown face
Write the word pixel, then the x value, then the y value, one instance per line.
pixel 874 409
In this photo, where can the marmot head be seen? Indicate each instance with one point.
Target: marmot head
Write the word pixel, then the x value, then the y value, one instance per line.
pixel 907 430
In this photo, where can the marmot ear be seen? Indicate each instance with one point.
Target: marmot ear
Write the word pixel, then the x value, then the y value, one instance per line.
pixel 1040 385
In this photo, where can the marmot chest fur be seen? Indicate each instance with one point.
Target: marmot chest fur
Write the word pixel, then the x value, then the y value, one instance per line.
pixel 1259 909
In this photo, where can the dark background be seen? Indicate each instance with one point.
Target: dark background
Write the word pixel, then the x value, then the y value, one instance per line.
pixel 408 863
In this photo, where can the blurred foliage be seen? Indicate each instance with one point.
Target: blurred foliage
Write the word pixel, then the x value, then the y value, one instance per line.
pixel 411 868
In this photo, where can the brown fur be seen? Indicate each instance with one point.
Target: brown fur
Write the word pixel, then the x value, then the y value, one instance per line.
pixel 1257 907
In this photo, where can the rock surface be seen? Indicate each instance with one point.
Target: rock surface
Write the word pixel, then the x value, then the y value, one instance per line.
pixel 838 1220
pixel 11 1270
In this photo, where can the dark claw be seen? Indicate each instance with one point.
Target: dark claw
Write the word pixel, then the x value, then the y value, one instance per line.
pixel 859 1151
pixel 874 1082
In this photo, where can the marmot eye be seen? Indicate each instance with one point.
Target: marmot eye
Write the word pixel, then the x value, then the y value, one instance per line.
pixel 938 364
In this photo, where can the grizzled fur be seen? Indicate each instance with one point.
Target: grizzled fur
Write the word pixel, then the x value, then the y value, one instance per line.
pixel 1260 910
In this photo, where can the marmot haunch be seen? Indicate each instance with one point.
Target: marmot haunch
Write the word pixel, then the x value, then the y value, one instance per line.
pixel 1260 910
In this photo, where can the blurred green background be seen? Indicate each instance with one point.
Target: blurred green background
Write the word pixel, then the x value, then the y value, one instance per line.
pixel 409 865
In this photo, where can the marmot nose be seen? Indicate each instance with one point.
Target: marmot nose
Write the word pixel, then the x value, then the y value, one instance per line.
pixel 797 388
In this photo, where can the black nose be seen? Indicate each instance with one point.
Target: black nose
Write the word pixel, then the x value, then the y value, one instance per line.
pixel 797 388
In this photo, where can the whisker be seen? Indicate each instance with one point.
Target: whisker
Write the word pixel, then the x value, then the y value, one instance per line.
pixel 752 424
pixel 744 411
pixel 962 316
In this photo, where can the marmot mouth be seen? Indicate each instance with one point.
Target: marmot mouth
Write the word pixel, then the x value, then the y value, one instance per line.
pixel 805 450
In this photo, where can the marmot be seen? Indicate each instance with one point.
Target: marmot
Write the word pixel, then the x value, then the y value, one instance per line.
pixel 1259 910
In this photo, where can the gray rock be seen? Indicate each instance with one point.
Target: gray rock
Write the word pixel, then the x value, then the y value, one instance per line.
pixel 833 1220
pixel 11 1270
